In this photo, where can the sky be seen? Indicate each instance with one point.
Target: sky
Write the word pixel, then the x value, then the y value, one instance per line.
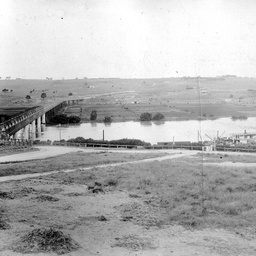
pixel 127 38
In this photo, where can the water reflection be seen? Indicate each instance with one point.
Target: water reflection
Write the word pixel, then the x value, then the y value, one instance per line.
pixel 93 124
pixel 159 122
pixel 107 124
pixel 145 123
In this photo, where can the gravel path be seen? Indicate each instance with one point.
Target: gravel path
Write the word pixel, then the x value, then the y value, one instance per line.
pixel 51 151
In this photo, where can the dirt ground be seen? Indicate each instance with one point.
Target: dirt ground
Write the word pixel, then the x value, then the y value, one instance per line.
pixel 77 212
pixel 42 152
pixel 105 222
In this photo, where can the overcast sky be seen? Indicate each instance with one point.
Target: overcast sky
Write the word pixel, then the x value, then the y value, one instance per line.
pixel 127 38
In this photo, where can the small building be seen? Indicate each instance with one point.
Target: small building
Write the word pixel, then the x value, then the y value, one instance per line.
pixel 243 137
pixel 207 148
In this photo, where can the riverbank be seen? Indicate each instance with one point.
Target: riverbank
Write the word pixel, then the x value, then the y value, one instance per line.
pixel 174 112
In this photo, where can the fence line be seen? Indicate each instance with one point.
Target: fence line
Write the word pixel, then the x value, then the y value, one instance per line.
pixel 22 142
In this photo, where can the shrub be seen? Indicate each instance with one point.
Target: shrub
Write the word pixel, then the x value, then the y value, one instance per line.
pixel 93 115
pixel 133 142
pixel 74 119
pixel 28 97
pixel 70 94
pixel 146 116
pixel 107 119
pixel 111 182
pixel 59 119
pixel 158 117
pixel 43 95
pixel 64 119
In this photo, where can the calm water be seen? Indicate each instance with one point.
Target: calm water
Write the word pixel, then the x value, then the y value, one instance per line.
pixel 151 132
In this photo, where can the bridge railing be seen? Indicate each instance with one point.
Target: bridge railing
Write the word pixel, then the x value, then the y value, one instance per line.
pixel 14 142
pixel 19 117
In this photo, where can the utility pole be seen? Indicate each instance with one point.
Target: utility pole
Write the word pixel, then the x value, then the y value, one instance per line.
pixel 60 130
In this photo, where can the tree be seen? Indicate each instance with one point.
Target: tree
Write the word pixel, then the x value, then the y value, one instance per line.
pixel 60 119
pixel 43 95
pixel 158 117
pixel 146 116
pixel 107 119
pixel 74 119
pixel 93 115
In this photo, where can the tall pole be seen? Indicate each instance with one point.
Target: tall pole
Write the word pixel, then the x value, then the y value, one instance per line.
pixel 103 135
pixel 60 131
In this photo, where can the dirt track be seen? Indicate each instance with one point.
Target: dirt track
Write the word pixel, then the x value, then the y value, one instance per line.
pixel 46 152
pixel 51 151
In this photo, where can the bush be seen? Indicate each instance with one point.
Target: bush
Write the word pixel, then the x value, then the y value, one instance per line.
pixel 70 94
pixel 28 97
pixel 74 119
pixel 146 116
pixel 107 119
pixel 64 119
pixel 93 115
pixel 59 119
pixel 133 142
pixel 43 95
pixel 158 117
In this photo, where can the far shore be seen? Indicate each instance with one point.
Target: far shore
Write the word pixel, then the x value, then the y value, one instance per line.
pixel 174 119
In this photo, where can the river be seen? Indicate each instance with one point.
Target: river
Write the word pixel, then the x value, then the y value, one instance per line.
pixel 151 132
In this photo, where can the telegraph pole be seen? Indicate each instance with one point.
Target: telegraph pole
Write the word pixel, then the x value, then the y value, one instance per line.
pixel 60 130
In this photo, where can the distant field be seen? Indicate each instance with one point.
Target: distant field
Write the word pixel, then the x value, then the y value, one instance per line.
pixel 126 99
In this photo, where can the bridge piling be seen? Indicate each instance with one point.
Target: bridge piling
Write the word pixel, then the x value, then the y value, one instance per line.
pixel 43 118
pixel 33 133
pixel 38 126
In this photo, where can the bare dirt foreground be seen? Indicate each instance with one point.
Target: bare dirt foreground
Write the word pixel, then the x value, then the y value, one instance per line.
pixel 92 214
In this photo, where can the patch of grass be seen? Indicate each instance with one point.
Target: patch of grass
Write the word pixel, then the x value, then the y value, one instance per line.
pixel 43 198
pixel 45 240
pixel 184 193
pixel 3 220
pixel 134 243
pixel 6 195
pixel 220 157
pixel 111 182
pixel 70 161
